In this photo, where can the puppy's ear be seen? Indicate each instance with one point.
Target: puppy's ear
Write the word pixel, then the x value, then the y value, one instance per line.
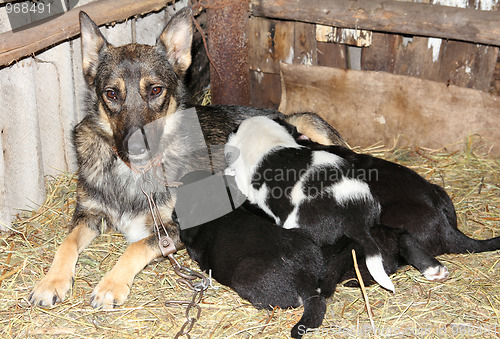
pixel 93 43
pixel 177 38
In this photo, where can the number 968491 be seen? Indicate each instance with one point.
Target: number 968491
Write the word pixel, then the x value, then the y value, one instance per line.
pixel 27 8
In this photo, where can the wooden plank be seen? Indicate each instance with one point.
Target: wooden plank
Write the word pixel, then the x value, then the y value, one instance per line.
pixel 388 16
pixel 305 49
pixel 265 90
pixel 332 55
pixel 353 37
pixel 453 62
pixel 14 46
pixel 496 77
pixel 379 56
pixel 368 107
pixel 419 57
pixel 270 42
pixel 468 65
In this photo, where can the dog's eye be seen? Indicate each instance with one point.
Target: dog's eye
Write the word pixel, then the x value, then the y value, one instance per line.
pixel 156 90
pixel 112 94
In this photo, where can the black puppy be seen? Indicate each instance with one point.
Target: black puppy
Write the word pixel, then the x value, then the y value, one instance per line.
pixel 412 204
pixel 265 264
pixel 417 220
pixel 272 266
pixel 304 188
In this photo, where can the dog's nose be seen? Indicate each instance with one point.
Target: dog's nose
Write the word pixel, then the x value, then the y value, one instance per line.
pixel 136 142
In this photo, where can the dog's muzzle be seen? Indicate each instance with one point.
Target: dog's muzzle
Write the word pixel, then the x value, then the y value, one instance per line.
pixel 136 145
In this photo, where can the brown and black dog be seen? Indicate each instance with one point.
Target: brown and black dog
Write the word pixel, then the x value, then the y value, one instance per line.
pixel 135 120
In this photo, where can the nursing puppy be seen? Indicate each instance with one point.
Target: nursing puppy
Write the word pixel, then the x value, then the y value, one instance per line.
pixel 265 264
pixel 306 189
pixel 422 213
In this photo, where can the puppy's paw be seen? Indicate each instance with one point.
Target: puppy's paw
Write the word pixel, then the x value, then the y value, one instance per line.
pixel 109 293
pixel 50 291
pixel 436 273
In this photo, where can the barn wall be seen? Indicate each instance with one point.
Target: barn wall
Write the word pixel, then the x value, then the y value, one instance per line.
pixel 41 99
pixel 453 62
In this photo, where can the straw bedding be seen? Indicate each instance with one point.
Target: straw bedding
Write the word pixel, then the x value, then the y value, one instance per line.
pixel 466 305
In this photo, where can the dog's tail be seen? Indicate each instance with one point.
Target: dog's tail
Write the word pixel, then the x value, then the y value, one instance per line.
pixel 314 312
pixel 374 262
pixel 453 240
pixel 375 266
pixel 464 244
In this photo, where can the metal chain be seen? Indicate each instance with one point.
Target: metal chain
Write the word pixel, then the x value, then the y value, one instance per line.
pixel 187 278
pixel 187 275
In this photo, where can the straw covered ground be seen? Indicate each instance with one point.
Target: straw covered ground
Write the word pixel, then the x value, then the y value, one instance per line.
pixel 466 305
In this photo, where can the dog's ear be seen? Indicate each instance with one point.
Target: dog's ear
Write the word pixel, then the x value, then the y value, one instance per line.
pixel 93 42
pixel 177 38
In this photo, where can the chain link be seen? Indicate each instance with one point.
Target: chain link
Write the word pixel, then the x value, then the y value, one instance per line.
pixel 188 279
pixel 187 276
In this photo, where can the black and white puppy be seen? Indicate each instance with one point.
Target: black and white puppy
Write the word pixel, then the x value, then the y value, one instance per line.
pixel 265 264
pixel 422 212
pixel 304 188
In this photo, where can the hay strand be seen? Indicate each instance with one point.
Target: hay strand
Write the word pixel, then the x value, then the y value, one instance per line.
pixel 363 290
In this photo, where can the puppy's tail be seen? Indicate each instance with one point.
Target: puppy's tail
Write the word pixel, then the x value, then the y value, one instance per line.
pixel 453 240
pixel 374 262
pixel 314 313
pixel 375 266
pixel 458 242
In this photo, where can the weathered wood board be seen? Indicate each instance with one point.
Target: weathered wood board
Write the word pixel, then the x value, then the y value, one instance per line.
pixel 14 46
pixel 270 42
pixel 388 16
pixel 265 89
pixel 453 62
pixel 368 107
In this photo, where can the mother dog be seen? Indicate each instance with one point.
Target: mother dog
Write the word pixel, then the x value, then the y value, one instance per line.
pixel 135 123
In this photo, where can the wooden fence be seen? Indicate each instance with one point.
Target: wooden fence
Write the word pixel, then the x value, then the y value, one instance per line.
pixel 457 46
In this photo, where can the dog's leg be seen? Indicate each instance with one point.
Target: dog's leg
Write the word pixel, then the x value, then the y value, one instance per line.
pixel 414 255
pixel 53 287
pixel 114 287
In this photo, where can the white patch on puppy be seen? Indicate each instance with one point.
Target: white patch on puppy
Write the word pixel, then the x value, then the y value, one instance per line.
pixel 437 273
pixel 271 136
pixel 292 220
pixel 297 195
pixel 260 198
pixel 376 269
pixel 350 190
pixel 321 158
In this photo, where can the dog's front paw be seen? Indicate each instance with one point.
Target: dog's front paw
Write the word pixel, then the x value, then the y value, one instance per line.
pixel 437 273
pixel 50 291
pixel 109 293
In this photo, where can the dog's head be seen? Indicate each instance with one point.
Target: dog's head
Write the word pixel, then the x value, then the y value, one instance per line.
pixel 134 85
pixel 253 139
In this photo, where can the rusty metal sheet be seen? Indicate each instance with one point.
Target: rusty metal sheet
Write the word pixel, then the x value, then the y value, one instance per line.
pixel 228 48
